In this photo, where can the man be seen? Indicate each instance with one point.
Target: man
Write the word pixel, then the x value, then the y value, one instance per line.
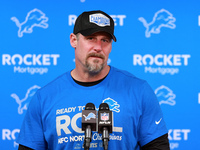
pixel 53 119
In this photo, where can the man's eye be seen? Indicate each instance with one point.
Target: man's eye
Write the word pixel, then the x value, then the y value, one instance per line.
pixel 105 40
pixel 90 38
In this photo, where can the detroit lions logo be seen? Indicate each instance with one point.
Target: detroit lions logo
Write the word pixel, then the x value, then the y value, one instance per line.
pixel 165 95
pixel 89 116
pixel 35 18
pixel 23 103
pixel 112 104
pixel 162 18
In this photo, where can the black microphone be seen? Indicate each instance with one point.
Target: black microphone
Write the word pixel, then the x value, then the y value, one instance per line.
pixel 105 123
pixel 89 122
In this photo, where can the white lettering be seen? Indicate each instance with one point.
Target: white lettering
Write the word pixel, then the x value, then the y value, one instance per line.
pixel 55 58
pixel 161 60
pixel 162 71
pixel 173 145
pixel 93 145
pixel 8 134
pixel 72 19
pixel 74 125
pixel 199 98
pixel 77 138
pixel 115 137
pixel 177 60
pixel 99 19
pixel 25 59
pixel 16 56
pixel 30 59
pixel 185 133
pixel 199 20
pixel 145 57
pixel 61 140
pixel 6 59
pixel 80 108
pixel 30 70
pixel 137 60
pixel 36 59
pixel 156 60
pixel 46 59
pixel 121 19
pixel 64 126
pixel 178 134
pixel 117 129
pixel 96 136
pixel 65 110
pixel 118 19
pixel 65 119
pixel 185 57
pixel 16 144
pixel 167 60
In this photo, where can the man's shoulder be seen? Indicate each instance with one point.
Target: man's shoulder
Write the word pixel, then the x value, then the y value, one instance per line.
pixel 125 75
pixel 55 84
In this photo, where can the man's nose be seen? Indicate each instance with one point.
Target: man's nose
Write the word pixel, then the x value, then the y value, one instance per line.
pixel 98 46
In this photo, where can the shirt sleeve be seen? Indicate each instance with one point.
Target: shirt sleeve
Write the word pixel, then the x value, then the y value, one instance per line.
pixel 160 143
pixel 21 147
pixel 31 134
pixel 151 123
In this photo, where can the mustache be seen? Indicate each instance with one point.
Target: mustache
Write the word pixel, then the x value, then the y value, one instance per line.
pixel 96 55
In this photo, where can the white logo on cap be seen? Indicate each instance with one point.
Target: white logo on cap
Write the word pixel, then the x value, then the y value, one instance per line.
pixel 100 20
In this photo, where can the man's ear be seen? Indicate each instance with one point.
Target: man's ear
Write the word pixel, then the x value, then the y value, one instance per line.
pixel 73 40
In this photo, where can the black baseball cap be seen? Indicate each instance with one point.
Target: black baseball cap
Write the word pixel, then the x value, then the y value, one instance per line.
pixel 90 22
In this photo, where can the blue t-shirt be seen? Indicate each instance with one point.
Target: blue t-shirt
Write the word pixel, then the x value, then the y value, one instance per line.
pixel 53 119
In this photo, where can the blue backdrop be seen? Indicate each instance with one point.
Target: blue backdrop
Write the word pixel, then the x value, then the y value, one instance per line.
pixel 156 40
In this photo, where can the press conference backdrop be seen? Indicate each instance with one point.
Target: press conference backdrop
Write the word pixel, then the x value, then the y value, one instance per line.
pixel 158 41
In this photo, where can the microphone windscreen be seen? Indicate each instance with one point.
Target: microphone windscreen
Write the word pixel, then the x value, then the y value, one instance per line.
pixel 105 118
pixel 103 106
pixel 89 117
pixel 89 106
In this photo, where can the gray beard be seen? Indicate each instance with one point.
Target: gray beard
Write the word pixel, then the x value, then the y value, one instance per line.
pixel 95 67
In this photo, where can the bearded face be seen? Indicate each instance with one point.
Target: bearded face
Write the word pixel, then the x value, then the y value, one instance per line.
pixel 96 64
pixel 92 52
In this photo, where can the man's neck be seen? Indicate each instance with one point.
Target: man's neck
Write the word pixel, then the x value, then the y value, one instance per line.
pixel 87 84
pixel 84 76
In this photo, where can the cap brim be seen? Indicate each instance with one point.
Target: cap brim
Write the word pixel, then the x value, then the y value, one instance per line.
pixel 94 30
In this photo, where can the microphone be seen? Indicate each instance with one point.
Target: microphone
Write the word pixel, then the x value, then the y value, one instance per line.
pixel 105 123
pixel 89 122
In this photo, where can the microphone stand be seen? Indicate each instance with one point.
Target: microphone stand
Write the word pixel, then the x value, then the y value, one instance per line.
pixel 88 137
pixel 105 119
pixel 105 138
